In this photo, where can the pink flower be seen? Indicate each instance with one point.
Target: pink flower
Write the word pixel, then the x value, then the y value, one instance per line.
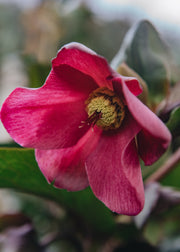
pixel 88 128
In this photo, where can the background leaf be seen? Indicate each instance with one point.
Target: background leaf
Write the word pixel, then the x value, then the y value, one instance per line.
pixel 174 122
pixel 169 103
pixel 144 51
pixel 172 178
pixel 19 171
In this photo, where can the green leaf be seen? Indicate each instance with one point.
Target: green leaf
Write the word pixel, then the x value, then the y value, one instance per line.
pixel 19 171
pixel 172 178
pixel 174 122
pixel 144 51
pixel 171 102
pixel 37 72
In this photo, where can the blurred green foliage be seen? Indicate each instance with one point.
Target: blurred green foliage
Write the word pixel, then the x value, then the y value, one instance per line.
pixel 20 171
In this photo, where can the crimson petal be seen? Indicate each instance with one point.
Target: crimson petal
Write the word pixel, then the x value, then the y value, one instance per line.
pixel 131 82
pixel 70 81
pixel 86 61
pixel 65 167
pixel 154 138
pixel 114 171
pixel 43 118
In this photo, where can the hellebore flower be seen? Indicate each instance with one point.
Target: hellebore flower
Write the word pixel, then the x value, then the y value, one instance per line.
pixel 88 128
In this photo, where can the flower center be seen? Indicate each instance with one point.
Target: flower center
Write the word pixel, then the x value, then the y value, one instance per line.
pixel 105 109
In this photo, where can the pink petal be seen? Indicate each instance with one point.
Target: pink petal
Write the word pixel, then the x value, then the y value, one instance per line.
pixel 49 117
pixel 70 81
pixel 131 82
pixel 86 61
pixel 154 138
pixel 65 167
pixel 43 118
pixel 150 148
pixel 114 171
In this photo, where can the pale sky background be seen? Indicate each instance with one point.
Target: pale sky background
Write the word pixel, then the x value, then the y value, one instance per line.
pixel 166 10
pixel 164 14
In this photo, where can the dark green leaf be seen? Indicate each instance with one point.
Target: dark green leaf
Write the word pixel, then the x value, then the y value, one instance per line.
pixel 37 72
pixel 19 170
pixel 172 178
pixel 174 122
pixel 169 103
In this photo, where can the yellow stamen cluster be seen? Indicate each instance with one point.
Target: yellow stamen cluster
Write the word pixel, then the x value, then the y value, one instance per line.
pixel 104 103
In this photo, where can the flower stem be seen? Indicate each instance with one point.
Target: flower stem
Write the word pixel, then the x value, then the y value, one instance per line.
pixel 165 168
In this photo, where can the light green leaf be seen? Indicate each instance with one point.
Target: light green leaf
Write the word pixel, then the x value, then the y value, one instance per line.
pixel 19 171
